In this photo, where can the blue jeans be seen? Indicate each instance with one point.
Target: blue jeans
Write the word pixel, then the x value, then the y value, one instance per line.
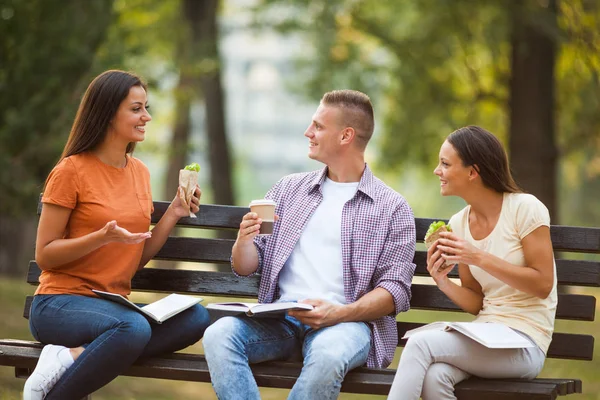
pixel 232 343
pixel 113 335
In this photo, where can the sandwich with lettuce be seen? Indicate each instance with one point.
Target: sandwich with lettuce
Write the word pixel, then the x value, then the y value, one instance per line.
pixel 188 179
pixel 433 234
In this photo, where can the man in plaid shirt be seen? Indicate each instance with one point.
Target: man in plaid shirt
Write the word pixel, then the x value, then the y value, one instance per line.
pixel 344 243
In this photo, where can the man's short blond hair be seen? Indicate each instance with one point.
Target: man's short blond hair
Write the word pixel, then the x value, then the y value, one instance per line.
pixel 357 112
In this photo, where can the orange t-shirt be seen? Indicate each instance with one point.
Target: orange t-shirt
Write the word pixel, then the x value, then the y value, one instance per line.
pixel 98 193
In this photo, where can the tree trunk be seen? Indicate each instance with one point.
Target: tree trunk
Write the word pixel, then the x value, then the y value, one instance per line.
pixel 202 16
pixel 181 133
pixel 532 141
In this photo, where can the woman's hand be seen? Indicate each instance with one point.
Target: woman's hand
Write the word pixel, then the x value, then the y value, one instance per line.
pixel 180 209
pixel 436 264
pixel 114 233
pixel 458 250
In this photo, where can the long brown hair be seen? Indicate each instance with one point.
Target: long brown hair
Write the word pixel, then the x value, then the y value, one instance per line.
pixel 483 151
pixel 97 109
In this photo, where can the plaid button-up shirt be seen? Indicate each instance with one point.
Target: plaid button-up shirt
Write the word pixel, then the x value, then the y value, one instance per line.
pixel 378 246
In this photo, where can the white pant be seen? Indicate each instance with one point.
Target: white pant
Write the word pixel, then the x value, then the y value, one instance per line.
pixel 434 361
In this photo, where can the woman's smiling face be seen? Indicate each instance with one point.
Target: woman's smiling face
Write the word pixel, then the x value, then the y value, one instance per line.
pixel 130 120
pixel 454 176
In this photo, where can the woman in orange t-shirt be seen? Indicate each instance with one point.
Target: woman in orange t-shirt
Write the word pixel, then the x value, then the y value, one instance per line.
pixel 94 233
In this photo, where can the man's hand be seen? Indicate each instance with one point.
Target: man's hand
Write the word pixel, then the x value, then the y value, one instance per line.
pixel 249 228
pixel 323 315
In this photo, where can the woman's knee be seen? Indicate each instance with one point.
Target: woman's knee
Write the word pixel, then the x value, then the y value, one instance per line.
pixel 197 320
pixel 440 380
pixel 135 327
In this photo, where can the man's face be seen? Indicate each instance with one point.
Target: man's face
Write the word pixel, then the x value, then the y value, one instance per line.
pixel 324 133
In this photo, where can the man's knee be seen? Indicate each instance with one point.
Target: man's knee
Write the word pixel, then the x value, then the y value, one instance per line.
pixel 326 366
pixel 219 333
pixel 333 359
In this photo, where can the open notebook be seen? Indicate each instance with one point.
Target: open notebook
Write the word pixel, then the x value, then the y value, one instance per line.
pixel 491 335
pixel 255 309
pixel 158 311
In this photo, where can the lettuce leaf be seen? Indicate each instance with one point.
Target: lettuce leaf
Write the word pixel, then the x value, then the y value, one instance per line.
pixel 193 167
pixel 435 225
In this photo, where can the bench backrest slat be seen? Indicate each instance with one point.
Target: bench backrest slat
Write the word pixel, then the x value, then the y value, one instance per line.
pixel 569 272
pixel 564 238
pixel 426 297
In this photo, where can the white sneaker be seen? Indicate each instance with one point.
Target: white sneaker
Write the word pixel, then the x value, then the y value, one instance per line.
pixel 48 371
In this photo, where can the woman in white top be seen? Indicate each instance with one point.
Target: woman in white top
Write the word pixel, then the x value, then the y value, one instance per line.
pixel 501 243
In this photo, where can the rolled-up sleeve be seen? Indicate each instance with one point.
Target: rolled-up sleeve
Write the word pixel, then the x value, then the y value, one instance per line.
pixel 395 268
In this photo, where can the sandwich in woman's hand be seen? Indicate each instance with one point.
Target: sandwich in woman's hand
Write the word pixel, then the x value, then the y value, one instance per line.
pixel 433 234
pixel 188 179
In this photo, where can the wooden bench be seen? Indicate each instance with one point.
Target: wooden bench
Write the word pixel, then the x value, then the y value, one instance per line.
pixel 23 355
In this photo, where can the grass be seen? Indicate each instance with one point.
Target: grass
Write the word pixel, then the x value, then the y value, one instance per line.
pixel 13 292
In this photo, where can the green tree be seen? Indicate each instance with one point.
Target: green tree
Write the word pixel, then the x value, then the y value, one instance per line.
pixel 46 48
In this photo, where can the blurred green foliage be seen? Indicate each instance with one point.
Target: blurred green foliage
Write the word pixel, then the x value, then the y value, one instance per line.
pixel 46 47
pixel 434 65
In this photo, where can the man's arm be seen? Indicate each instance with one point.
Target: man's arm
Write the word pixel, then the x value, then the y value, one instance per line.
pixel 244 255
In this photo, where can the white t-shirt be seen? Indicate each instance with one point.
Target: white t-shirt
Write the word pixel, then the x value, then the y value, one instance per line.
pixel 315 270
pixel 521 214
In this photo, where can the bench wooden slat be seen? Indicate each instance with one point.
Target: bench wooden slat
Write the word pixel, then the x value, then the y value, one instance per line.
pixel 569 272
pixel 570 306
pixel 564 238
pixel 192 367
pixel 196 249
pixel 426 297
pixel 211 216
pixel 564 345
pixel 472 388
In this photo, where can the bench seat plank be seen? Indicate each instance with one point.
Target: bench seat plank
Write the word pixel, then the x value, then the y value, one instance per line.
pixel 192 367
